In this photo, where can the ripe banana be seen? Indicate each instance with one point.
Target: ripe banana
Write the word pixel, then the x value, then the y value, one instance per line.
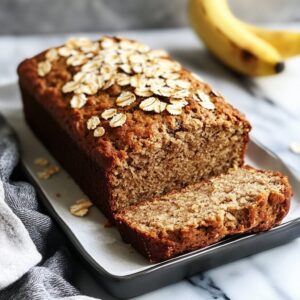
pixel 235 45
pixel 287 43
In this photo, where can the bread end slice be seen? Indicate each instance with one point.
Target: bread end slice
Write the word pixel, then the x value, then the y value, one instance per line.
pixel 242 201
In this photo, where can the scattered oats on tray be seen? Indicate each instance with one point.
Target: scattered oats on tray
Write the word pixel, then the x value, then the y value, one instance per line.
pixel 295 147
pixel 48 172
pixel 81 207
pixel 41 161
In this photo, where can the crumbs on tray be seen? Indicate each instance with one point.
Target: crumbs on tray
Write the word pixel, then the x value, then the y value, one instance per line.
pixel 81 207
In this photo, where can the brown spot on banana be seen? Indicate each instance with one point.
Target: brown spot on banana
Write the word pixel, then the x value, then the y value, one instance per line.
pixel 247 56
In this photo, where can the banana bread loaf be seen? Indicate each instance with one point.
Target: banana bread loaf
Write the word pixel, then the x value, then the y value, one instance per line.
pixel 243 200
pixel 128 122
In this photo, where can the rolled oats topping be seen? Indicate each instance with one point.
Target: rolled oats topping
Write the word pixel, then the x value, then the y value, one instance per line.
pixel 142 48
pixel 138 80
pixel 156 82
pixel 126 68
pixel 109 113
pixel 149 104
pixel 143 91
pixel 177 83
pixel 70 86
pixel 126 98
pixel 122 79
pixel 77 60
pixel 91 66
pixel 158 53
pixel 109 83
pixel 52 55
pixel 127 45
pixel 160 107
pixel 137 59
pixel 107 43
pixel 92 122
pixel 117 120
pixel 207 104
pixel 93 47
pixel 107 71
pixel 151 77
pixel 204 100
pixel 181 94
pixel 163 91
pixel 44 67
pixel 137 68
pixel 174 109
pixel 66 52
pixel 179 102
pixel 78 101
pixel 99 131
pixel 202 96
pixel 170 75
pixel 153 104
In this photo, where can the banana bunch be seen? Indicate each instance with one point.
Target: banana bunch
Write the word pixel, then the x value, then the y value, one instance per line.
pixel 245 48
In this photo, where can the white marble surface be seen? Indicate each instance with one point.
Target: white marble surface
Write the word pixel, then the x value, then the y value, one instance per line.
pixel 273 274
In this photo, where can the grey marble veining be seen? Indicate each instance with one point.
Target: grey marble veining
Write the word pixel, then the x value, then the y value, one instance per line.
pixel 271 275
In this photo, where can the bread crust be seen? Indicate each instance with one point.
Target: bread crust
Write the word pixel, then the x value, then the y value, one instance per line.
pixel 267 211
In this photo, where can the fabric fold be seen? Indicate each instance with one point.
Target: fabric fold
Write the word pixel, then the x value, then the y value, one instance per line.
pixel 34 261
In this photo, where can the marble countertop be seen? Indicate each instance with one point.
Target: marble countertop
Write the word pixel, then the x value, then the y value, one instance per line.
pixel 272 105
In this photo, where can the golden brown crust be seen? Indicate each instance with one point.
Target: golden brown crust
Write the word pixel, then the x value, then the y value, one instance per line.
pixel 266 212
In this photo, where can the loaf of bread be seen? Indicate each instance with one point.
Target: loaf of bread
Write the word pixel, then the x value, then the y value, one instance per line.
pixel 127 122
pixel 243 200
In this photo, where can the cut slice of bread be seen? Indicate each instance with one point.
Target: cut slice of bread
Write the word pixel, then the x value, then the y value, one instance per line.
pixel 243 200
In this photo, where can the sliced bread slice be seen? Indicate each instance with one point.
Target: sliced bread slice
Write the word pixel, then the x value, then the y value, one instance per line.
pixel 243 200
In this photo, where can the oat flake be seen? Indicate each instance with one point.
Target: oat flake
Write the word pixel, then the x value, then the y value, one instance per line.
pixel 109 113
pixel 99 131
pixel 44 68
pixel 118 120
pixel 126 98
pixel 92 122
pixel 173 109
pixel 78 101
pixel 295 147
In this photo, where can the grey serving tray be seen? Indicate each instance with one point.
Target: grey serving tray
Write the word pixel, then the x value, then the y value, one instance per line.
pixel 119 268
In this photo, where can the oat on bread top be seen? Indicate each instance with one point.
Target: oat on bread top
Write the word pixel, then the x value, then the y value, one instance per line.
pixel 139 95
pixel 157 82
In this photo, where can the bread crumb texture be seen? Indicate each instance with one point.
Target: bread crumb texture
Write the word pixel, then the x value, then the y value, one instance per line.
pixel 241 201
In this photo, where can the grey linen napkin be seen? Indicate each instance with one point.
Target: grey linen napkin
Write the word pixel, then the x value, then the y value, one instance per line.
pixel 34 263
